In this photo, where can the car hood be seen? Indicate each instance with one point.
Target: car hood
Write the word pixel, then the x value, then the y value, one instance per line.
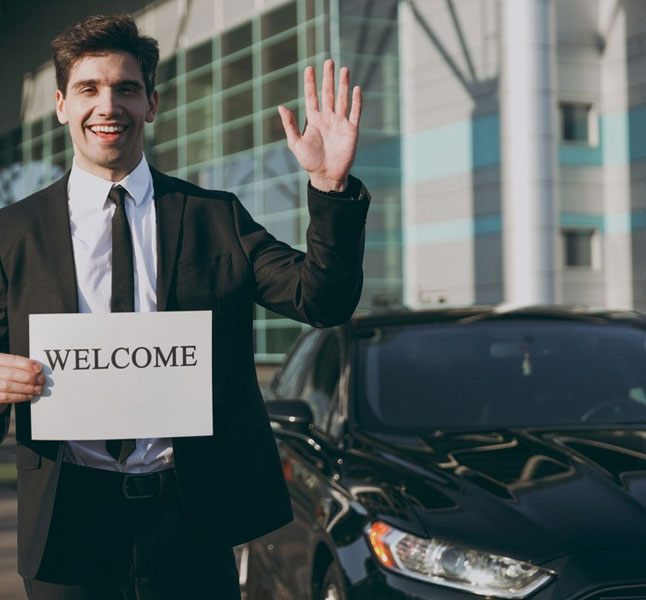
pixel 526 493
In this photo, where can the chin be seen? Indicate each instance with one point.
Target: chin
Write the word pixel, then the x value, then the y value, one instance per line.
pixel 112 162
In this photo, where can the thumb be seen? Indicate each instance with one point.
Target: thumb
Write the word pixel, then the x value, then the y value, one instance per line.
pixel 289 125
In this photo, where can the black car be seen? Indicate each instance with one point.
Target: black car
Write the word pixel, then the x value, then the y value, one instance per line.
pixel 452 453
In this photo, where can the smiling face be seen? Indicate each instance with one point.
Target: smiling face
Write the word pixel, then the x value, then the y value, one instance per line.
pixel 106 106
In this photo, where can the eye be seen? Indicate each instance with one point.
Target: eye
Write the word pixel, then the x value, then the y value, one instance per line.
pixel 128 90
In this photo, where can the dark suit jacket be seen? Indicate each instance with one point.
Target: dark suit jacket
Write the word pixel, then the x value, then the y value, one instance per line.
pixel 213 256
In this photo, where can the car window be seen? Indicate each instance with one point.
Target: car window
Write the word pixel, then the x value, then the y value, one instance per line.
pixel 322 379
pixel 519 373
pixel 290 380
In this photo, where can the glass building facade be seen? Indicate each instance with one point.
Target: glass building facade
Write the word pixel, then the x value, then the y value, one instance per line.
pixel 218 127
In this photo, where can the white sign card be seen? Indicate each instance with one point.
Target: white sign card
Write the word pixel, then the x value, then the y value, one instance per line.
pixel 122 375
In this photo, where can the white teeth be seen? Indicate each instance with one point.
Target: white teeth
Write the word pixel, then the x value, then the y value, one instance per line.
pixel 107 128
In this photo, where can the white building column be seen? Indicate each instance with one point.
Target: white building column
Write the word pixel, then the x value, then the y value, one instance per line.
pixel 529 143
pixel 618 250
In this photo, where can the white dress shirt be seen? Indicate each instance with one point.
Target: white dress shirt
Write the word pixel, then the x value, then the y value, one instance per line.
pixel 91 213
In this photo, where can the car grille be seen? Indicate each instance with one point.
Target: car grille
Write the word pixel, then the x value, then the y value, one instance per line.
pixel 620 592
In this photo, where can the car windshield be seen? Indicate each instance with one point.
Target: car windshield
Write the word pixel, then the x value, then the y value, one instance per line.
pixel 419 378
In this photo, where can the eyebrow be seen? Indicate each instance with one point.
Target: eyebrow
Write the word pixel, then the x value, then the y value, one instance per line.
pixel 130 82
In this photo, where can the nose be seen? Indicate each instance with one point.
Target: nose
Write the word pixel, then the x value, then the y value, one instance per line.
pixel 108 103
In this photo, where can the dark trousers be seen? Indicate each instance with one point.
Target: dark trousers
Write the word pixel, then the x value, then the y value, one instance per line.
pixel 103 545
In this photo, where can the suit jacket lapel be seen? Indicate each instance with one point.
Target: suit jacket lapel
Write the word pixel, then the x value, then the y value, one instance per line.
pixel 54 223
pixel 170 211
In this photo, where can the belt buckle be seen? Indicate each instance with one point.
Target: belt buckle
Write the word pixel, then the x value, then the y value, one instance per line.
pixel 142 487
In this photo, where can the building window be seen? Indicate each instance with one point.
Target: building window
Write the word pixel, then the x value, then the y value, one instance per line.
pixel 576 123
pixel 199 56
pixel 578 245
pixel 236 39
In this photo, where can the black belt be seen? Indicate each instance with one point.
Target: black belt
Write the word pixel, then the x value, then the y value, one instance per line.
pixel 135 486
pixel 148 485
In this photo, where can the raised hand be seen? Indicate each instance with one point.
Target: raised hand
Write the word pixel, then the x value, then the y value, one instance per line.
pixel 328 144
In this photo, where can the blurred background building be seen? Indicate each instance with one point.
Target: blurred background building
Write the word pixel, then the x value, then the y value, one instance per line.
pixel 503 141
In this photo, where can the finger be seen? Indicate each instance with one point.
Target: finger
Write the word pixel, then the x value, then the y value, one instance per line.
pixel 342 95
pixel 327 89
pixel 21 376
pixel 8 398
pixel 355 111
pixel 289 125
pixel 20 362
pixel 311 95
pixel 14 387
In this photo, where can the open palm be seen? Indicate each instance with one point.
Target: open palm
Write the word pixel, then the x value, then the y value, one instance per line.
pixel 327 146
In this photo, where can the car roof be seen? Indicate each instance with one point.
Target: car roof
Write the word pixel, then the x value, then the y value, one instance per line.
pixel 403 316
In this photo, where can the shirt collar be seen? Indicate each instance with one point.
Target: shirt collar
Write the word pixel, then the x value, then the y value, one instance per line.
pixel 93 189
pixel 138 181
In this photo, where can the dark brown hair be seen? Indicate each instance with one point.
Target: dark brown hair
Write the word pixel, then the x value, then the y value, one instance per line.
pixel 99 34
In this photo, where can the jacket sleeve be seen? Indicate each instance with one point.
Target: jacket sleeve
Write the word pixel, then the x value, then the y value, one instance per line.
pixel 4 346
pixel 322 286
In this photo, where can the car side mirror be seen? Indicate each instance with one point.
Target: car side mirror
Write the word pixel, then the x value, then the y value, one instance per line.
pixel 295 415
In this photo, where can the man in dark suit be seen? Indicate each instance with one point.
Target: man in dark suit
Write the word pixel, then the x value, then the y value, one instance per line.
pixel 157 518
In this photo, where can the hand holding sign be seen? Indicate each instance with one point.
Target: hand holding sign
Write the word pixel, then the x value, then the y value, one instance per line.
pixel 20 379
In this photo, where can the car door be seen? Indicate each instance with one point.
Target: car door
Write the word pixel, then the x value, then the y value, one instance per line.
pixel 308 464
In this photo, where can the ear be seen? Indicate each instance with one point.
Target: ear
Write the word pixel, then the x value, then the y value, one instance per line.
pixel 61 113
pixel 153 104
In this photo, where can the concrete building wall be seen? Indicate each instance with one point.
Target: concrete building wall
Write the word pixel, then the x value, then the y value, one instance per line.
pixel 435 141
pixel 449 83
pixel 452 93
pixel 634 169
pixel 581 187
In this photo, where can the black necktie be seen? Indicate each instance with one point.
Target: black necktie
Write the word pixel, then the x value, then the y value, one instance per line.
pixel 123 289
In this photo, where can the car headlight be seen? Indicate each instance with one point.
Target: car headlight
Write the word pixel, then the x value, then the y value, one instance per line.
pixel 454 566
